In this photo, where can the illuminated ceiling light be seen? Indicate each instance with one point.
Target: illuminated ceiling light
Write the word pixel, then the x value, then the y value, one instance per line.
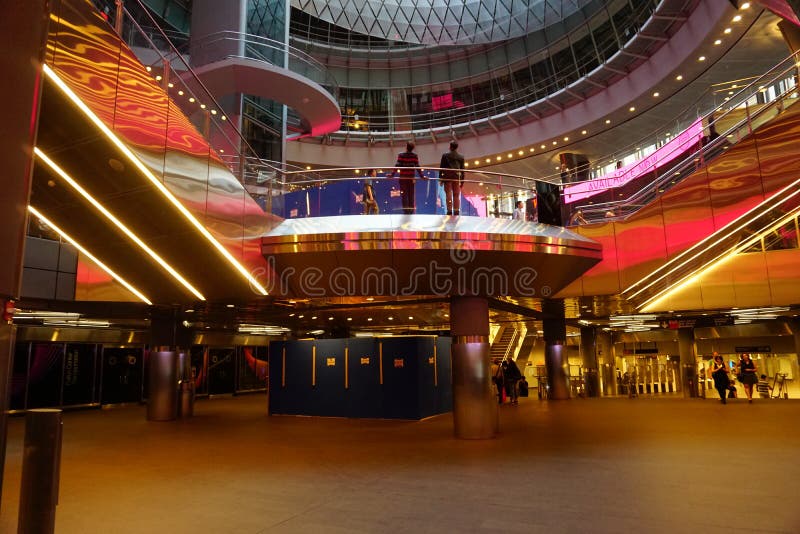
pixel 701 58
pixel 358 171
pixel 477 162
pixel 349 318
pixel 148 69
pixel 531 149
pixel 308 167
pixel 158 78
pixel 488 160
pixel 608 121
pixel 300 316
pixel 191 99
pixel 656 94
pixel 583 132
pixel 544 146
pixel 727 31
pixel 566 139
pixel 466 164
pixel 521 152
pixel 330 318
pixel 119 224
pixel 155 181
pixel 632 108
pixel 213 111
pixel 679 77
pixel 188 311
pixel 369 318
pixel 498 158
pixel 410 317
pixel 202 106
pixel 170 85
pixel 230 305
pixel 180 93
pixel 737 18
pixel 390 318
pixel 447 315
pixel 718 42
pixel 746 5
pixel 510 156
pixel 89 255
pixel 370 299
pixel 734 86
pixel 555 142
pixel 224 118
pixel 480 184
pixel 313 317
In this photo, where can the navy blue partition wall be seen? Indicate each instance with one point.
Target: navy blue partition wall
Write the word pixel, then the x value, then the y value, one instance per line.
pixel 398 378
pixel 364 391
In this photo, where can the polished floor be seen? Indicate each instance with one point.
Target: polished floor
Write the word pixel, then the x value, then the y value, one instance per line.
pixel 594 465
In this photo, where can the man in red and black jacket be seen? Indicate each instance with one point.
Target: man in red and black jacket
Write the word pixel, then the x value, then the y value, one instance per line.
pixel 407 167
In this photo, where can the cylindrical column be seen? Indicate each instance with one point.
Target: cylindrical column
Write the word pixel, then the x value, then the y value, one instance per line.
pixel 589 361
pixel 186 383
pixel 688 362
pixel 606 361
pixel 41 463
pixel 474 405
pixel 554 329
pixel 162 394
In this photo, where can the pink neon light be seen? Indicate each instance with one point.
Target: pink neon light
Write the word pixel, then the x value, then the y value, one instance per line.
pixel 677 146
pixel 782 9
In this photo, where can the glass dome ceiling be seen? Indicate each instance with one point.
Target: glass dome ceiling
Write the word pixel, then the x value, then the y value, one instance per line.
pixel 442 22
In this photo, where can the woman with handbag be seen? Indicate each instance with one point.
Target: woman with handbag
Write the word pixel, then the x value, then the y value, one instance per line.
pixel 747 375
pixel 720 375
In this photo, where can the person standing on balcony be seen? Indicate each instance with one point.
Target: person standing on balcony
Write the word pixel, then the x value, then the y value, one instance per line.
pixel 407 167
pixel 368 198
pixel 452 176
pixel 519 211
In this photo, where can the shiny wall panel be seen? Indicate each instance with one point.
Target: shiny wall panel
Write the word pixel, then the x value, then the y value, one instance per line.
pixel 751 280
pixel 718 291
pixel 603 278
pixel 641 244
pixel 734 182
pixel 782 266
pixel 777 144
pixel 687 213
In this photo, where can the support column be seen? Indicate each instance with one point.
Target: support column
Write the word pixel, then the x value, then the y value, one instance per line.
pixel 607 362
pixel 24 30
pixel 688 356
pixel 589 361
pixel 475 414
pixel 555 350
pixel 168 337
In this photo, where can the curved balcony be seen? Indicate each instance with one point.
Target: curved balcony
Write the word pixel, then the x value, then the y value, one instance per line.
pixel 235 63
pixel 543 80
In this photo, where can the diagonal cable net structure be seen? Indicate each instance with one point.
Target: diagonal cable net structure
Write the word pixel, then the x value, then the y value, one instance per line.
pixel 443 22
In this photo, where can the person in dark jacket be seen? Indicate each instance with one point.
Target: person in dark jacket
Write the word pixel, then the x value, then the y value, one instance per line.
pixel 407 167
pixel 720 375
pixel 511 376
pixel 452 177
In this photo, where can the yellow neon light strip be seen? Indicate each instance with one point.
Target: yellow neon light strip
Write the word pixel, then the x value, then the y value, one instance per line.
pixel 89 255
pixel 119 224
pixel 153 179
pixel 654 302
pixel 719 240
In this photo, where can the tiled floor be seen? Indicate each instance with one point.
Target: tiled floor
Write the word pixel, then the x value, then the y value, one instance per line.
pixel 597 465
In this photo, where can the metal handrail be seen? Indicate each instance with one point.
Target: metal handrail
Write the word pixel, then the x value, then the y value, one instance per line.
pixel 666 178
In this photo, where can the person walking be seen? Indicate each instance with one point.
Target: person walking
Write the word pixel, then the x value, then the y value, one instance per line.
pixel 720 375
pixel 407 167
pixel 452 176
pixel 747 375
pixel 368 198
pixel 511 376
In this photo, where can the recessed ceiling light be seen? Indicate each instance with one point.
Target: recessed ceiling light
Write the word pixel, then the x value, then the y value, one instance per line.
pixel 701 58
pixel 477 162
pixel 410 317
pixel 727 31
pixel 510 155
pixel 521 152
pixel 188 311
pixel 718 42
pixel 608 121
pixel 300 316
pixel 544 146
pixel 230 305
pixel 737 18
pixel 313 317
pixel 679 77
pixel 390 318
pixel 498 158
pixel 447 315
pixel 656 94
pixel 370 299
pixel 488 160
pixel 566 139
pixel 330 318
pixel 531 149
pixel 746 5
pixel 349 318
pixel 632 108
pixel 291 315
pixel 369 318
